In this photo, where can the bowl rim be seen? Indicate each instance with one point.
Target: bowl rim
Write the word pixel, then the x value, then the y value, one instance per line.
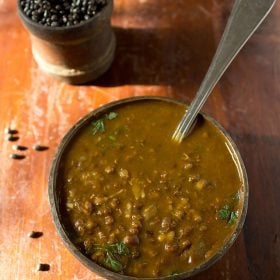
pixel 54 200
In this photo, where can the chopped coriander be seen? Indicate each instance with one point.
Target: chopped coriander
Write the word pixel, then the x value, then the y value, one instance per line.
pixel 122 249
pixel 98 126
pixel 225 213
pixel 233 217
pixel 113 263
pixel 112 115
pixel 113 254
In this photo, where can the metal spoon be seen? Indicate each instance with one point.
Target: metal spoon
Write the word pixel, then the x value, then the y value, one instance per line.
pixel 245 18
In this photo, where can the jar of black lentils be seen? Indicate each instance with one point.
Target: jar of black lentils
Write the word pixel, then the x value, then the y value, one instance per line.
pixel 71 39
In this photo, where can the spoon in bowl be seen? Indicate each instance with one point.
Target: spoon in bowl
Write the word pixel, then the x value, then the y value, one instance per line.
pixel 245 18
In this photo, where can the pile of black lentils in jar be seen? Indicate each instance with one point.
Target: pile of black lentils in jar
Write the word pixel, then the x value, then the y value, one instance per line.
pixel 59 13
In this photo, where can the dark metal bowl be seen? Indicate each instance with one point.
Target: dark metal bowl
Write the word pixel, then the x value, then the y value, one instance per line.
pixel 55 192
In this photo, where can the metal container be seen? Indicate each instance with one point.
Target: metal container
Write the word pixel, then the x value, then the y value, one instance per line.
pixel 75 54
pixel 55 192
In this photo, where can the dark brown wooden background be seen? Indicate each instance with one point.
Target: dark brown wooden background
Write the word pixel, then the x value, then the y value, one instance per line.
pixel 164 48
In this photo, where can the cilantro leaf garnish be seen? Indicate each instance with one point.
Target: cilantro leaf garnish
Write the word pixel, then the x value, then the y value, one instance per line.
pixel 233 217
pixel 113 263
pixel 112 115
pixel 99 126
pixel 114 255
pixel 225 213
pixel 122 249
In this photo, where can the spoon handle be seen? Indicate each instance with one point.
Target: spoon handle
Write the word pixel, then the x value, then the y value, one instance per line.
pixel 245 18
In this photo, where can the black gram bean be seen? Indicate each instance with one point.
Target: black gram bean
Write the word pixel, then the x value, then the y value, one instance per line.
pixel 135 254
pixel 131 239
pixel 43 267
pixel 185 244
pixel 64 19
pixel 35 234
pixel 91 225
pixel 171 247
pixel 88 207
pixel 134 230
pixel 109 220
pixel 112 238
pixel 17 156
pixel 19 148
pixel 54 17
pixel 167 223
pixel 40 148
pixel 54 24
pixel 12 138
pixel 8 130
pixel 115 203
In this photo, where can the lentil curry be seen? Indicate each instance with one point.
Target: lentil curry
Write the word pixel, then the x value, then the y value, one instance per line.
pixel 139 204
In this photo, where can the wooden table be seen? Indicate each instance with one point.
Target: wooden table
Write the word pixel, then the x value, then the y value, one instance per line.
pixel 164 48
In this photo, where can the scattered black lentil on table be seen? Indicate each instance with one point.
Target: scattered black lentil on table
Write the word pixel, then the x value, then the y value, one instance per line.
pixel 61 13
pixel 40 148
pixel 8 130
pixel 43 267
pixel 12 138
pixel 19 148
pixel 35 234
pixel 17 156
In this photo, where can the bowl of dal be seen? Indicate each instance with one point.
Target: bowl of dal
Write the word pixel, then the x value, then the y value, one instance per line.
pixel 130 203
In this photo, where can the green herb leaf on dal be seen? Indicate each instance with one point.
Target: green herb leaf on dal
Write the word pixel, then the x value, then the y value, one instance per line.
pixel 112 115
pixel 225 213
pixel 114 255
pixel 233 217
pixel 98 126
pixel 113 263
pixel 122 249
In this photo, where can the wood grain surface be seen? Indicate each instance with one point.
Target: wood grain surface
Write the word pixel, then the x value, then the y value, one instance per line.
pixel 164 48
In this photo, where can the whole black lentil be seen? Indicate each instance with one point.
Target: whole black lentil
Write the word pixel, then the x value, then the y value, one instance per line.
pixel 8 130
pixel 12 138
pixel 16 156
pixel 61 13
pixel 35 234
pixel 40 148
pixel 43 267
pixel 19 148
